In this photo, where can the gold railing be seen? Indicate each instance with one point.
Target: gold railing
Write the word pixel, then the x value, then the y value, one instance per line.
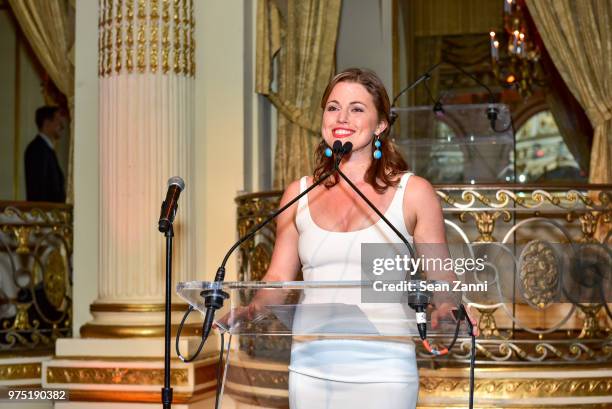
pixel 36 276
pixel 536 329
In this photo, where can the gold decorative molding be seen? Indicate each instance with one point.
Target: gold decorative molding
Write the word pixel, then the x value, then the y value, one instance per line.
pixel 515 388
pixel 253 380
pixel 131 331
pixel 132 33
pixel 138 396
pixel 116 307
pixel 115 376
pixel 20 371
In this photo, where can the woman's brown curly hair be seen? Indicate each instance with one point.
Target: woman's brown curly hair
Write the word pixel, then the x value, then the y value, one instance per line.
pixel 391 164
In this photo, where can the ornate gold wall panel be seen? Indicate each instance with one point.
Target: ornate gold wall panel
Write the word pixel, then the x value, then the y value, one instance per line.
pixel 36 272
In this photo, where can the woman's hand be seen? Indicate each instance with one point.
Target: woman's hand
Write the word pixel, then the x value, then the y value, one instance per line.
pixel 247 312
pixel 445 309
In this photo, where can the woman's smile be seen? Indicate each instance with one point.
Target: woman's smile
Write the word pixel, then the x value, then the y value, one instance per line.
pixel 342 132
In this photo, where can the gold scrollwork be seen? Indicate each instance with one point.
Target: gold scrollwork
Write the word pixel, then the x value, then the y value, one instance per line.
pixel 54 278
pixel 487 326
pixel 141 37
pixel 588 224
pixel 538 274
pixel 590 327
pixel 22 318
pixel 118 36
pixel 108 46
pixel 177 38
pixel 115 376
pixel 191 41
pixel 154 27
pixel 518 388
pixel 130 32
pixel 485 223
pixel 165 36
pixel 38 240
pixel 521 332
pixel 260 261
pixel 22 234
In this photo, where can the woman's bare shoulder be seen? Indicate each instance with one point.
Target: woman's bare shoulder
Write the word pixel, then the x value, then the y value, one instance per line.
pixel 292 188
pixel 420 188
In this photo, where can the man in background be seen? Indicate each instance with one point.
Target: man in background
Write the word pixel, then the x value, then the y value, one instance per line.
pixel 44 177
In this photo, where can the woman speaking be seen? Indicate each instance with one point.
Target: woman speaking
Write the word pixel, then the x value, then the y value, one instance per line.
pixel 322 235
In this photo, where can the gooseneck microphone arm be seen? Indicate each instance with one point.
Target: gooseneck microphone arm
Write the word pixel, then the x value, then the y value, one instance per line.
pixel 492 112
pixel 214 297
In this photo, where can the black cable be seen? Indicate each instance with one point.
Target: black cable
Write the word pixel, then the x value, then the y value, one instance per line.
pixel 472 365
pixel 456 335
pixel 178 336
pixel 219 372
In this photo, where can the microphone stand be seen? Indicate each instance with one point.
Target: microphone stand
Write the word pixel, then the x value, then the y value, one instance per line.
pixel 167 389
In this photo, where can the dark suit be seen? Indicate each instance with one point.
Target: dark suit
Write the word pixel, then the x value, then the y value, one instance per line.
pixel 44 177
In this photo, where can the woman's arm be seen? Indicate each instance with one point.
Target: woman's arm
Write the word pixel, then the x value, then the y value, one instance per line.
pixel 284 265
pixel 285 262
pixel 425 213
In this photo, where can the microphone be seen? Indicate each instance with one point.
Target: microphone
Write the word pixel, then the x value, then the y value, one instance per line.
pixel 346 148
pixel 418 301
pixel 169 206
pixel 337 148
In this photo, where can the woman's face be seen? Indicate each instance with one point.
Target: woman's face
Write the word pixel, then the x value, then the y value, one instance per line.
pixel 350 115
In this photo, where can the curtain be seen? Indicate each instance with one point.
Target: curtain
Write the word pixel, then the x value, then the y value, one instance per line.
pixel 578 39
pixel 300 36
pixel 49 27
pixel 573 124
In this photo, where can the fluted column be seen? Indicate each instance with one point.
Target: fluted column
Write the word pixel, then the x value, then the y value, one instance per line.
pixel 146 77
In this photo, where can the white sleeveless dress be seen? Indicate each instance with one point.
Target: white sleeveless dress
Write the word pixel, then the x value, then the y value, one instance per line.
pixel 351 374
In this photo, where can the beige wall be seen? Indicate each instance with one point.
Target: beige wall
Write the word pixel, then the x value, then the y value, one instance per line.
pixel 86 197
pixel 364 38
pixel 219 161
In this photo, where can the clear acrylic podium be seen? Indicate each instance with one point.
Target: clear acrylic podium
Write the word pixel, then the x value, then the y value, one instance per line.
pixel 263 322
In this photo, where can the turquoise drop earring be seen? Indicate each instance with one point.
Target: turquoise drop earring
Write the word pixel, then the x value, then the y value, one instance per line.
pixel 377 153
